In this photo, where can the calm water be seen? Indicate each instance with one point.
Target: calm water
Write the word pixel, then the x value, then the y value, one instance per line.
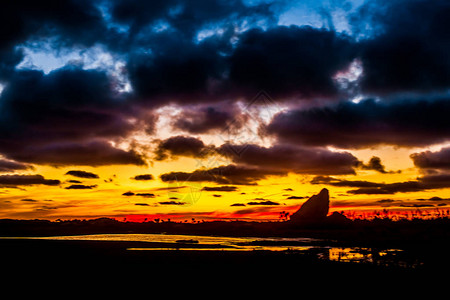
pixel 307 246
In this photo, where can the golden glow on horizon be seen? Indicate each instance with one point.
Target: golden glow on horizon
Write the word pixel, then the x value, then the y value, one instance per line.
pixel 105 197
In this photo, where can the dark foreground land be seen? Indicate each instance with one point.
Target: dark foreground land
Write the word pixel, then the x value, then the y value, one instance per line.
pixel 85 262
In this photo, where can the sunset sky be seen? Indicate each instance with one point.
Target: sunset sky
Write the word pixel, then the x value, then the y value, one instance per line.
pixel 213 109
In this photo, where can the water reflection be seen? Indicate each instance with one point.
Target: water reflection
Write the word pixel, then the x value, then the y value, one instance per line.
pixel 318 248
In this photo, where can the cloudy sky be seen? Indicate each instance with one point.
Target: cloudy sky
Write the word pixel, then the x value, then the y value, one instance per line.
pixel 214 109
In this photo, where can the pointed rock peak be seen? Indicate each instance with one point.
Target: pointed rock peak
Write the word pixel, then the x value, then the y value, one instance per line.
pixel 315 209
pixel 324 192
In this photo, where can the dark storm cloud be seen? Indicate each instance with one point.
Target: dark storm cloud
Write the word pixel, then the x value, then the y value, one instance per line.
pixel 411 47
pixel 82 174
pixel 95 153
pixel 364 124
pixel 75 19
pixel 63 118
pixel 9 58
pixel 65 104
pixel 344 183
pixel 68 22
pixel 182 146
pixel 283 158
pixel 206 119
pixel 290 61
pixel 427 182
pixel 230 174
pixel 179 67
pixel 187 16
pixel 168 74
pixel 287 62
pixel 290 158
pixel 13 180
pixel 439 160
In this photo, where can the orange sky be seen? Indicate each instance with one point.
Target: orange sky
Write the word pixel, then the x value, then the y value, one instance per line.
pixel 187 200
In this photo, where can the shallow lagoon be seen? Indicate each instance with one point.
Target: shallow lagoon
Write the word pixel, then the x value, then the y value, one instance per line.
pixel 321 249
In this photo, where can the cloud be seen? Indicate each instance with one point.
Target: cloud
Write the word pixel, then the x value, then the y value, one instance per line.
pixel 386 201
pixel 291 158
pixel 347 183
pixel 290 61
pixel 374 164
pixel 13 180
pixel 427 182
pixel 439 160
pixel 253 162
pixel 403 54
pixel 74 181
pixel 69 23
pixel 230 174
pixel 434 198
pixel 182 146
pixel 143 177
pixel 295 197
pixel 171 203
pixel 93 153
pixel 405 122
pixel 187 16
pixel 268 202
pixel 29 200
pixel 287 62
pixel 11 166
pixel 53 119
pixel 146 195
pixel 80 187
pixel 82 174
pixel 206 119
pixel 224 188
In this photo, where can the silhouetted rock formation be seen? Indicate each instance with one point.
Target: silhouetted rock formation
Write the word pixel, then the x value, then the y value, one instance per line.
pixel 313 210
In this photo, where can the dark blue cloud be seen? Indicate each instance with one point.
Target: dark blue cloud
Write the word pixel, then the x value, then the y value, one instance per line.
pixel 410 47
pixel 418 122
pixel 64 117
